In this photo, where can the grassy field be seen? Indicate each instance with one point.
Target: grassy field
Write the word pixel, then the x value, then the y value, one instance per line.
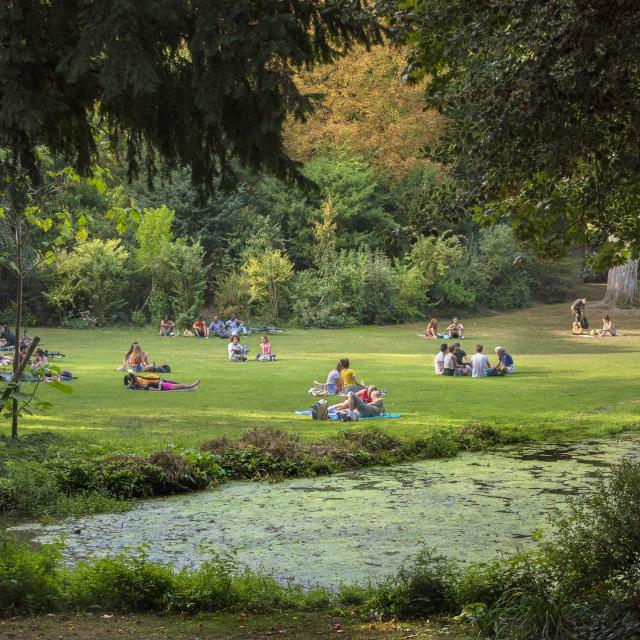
pixel 566 386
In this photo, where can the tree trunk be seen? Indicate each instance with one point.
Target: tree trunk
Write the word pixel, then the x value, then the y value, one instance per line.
pixel 622 285
pixel 16 349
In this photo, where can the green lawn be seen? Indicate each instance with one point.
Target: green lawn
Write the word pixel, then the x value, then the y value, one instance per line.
pixel 565 386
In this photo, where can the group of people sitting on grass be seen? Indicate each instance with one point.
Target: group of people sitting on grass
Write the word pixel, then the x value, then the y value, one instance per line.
pixel 361 401
pixel 343 379
pixel 239 352
pixel 200 329
pixel 218 329
pixel 452 360
pixel 454 330
pixel 142 375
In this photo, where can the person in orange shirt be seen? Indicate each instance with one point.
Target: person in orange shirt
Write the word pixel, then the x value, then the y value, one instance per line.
pixel 200 328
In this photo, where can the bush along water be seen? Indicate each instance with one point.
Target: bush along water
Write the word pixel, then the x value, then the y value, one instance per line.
pixel 48 475
pixel 582 583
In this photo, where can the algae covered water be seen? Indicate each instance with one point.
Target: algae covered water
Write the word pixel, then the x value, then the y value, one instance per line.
pixel 357 526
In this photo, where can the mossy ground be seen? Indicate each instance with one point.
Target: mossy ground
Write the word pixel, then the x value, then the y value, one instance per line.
pixel 566 387
pixel 221 627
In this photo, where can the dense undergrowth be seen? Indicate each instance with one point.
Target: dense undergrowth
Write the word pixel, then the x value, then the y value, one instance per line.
pixel 49 475
pixel 581 583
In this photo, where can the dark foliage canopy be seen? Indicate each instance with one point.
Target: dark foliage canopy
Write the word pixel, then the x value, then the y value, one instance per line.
pixel 542 101
pixel 191 82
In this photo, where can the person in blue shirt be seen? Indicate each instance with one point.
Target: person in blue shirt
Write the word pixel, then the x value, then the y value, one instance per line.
pixel 217 328
pixel 505 361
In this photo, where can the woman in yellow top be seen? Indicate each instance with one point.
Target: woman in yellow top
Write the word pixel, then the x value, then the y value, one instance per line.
pixel 349 380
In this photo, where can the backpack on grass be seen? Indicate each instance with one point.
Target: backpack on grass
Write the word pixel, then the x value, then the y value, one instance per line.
pixel 320 410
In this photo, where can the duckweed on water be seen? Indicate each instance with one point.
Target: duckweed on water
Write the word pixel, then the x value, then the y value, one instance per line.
pixel 581 583
pixel 47 475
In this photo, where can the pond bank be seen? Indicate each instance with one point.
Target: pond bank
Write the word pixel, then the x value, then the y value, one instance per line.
pixel 357 526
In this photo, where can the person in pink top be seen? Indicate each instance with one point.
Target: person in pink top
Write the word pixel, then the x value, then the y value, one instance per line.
pixel 265 350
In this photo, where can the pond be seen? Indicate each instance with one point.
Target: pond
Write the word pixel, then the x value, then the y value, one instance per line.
pixel 357 526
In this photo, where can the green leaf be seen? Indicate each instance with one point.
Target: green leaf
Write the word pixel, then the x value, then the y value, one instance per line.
pixel 19 396
pixel 60 386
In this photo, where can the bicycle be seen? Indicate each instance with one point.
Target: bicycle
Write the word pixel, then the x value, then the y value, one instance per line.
pixel 54 355
pixel 268 330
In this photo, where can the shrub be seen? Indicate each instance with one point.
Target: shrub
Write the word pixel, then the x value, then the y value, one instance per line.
pixel 473 437
pixel 28 487
pixel 30 579
pixel 127 582
pixel 418 590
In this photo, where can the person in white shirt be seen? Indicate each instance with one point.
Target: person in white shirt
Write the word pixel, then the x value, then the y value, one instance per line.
pixel 334 380
pixel 480 367
pixel 237 352
pixel 439 359
pixel 449 364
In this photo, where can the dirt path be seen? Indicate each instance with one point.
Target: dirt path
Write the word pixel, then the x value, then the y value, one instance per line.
pixel 225 627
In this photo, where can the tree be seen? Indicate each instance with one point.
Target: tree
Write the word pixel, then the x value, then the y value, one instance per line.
pixel 542 109
pixel 92 275
pixel 368 110
pixel 35 225
pixel 268 274
pixel 193 84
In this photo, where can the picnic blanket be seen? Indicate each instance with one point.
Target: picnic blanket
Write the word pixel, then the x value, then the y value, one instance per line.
pixel 166 391
pixel 334 416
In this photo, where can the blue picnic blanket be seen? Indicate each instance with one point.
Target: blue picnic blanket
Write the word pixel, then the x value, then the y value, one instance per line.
pixel 334 416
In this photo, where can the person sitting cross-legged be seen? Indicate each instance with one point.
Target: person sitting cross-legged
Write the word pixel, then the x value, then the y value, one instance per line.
pixel 334 380
pixel 505 362
pixel 348 375
pixel 456 329
pixel 265 350
pixel 608 328
pixel 439 359
pixel 449 364
pixel 236 351
pixel 480 367
pixel 217 328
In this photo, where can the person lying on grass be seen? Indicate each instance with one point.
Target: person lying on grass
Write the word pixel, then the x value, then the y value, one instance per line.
pixel 348 375
pixel 236 351
pixel 360 409
pixel 363 394
pixel 159 384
